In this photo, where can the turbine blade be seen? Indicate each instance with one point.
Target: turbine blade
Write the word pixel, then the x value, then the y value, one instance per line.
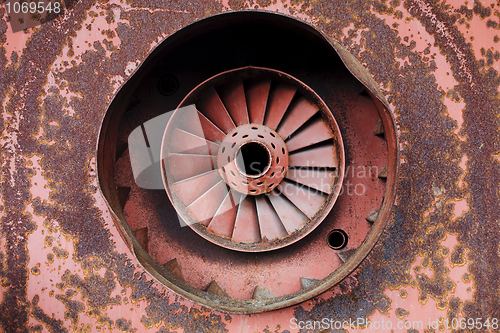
pixel 316 131
pixel 289 215
pixel 298 114
pixel 270 224
pixel 213 108
pixel 204 208
pixel 246 227
pixel 279 100
pixel 257 94
pixel 323 156
pixel 233 97
pixel 188 190
pixel 321 180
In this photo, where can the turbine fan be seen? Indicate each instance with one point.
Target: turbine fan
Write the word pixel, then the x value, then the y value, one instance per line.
pixel 252 160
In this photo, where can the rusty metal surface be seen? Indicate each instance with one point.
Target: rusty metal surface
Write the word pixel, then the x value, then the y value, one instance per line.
pixel 65 266
pixel 246 278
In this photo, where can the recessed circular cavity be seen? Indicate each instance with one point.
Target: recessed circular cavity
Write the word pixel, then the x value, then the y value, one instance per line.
pixel 337 239
pixel 199 176
pixel 168 85
pixel 253 159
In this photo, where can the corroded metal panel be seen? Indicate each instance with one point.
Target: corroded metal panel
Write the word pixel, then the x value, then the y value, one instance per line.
pixel 64 264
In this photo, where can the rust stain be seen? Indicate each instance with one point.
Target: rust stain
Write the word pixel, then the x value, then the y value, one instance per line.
pixel 432 152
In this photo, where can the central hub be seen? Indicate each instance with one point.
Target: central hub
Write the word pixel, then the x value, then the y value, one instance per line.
pixel 252 159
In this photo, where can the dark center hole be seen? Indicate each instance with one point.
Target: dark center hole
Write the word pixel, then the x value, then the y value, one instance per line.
pixel 253 158
pixel 337 239
pixel 168 85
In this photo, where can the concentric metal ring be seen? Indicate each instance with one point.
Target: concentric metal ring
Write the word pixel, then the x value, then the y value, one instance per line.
pixel 252 171
pixel 277 169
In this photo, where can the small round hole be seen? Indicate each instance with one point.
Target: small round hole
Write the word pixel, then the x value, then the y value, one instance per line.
pixel 234 184
pixel 168 85
pixel 255 128
pixel 282 169
pixel 271 175
pixel 245 136
pixel 277 160
pixel 253 191
pixel 337 239
pixel 260 183
pixel 234 134
pixel 232 172
pixel 244 182
pixel 272 134
pixel 228 159
pixel 260 136
pixel 270 185
pixel 283 150
pixel 223 170
pixel 272 145
pixel 223 149
pixel 234 144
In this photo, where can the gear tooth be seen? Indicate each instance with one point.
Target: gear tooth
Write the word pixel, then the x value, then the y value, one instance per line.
pixel 261 293
pixel 121 147
pixel 306 283
pixel 379 128
pixel 142 237
pixel 346 255
pixel 174 268
pixel 373 216
pixel 123 194
pixel 383 173
pixel 215 289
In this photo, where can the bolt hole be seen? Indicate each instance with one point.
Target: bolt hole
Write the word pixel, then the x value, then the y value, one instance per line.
pixel 272 134
pixel 337 239
pixel 283 150
pixel 234 134
pixel 168 85
pixel 234 184
pixel 260 136
pixel 255 128
pixel 244 182
pixel 234 144
pixel 223 149
pixel 270 185
pixel 272 145
pixel 260 183
pixel 245 136
pixel 277 160
pixel 271 175
pixel 253 191
pixel 223 170
pixel 232 172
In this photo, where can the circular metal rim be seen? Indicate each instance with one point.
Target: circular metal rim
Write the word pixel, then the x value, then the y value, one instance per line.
pixel 268 166
pixel 164 277
pixel 344 236
pixel 263 246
